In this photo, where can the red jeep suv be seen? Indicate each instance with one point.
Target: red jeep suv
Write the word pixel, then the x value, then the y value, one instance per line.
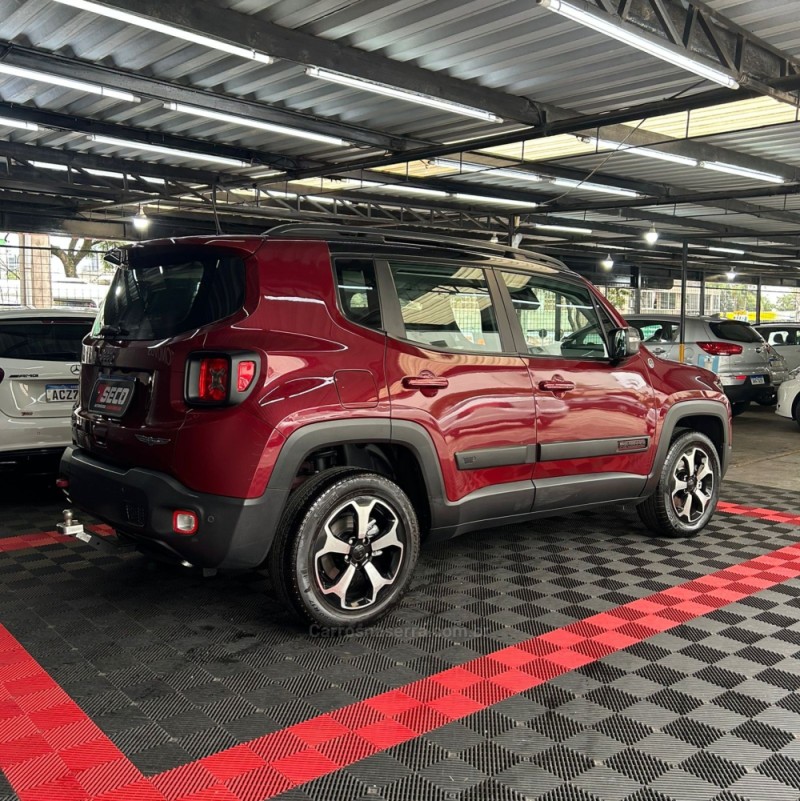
pixel 319 400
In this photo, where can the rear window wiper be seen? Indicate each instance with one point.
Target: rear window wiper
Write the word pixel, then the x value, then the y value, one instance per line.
pixel 112 331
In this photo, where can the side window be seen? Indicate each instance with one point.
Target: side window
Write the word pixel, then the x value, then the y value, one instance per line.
pixel 358 291
pixel 557 319
pixel 780 337
pixel 446 306
pixel 658 332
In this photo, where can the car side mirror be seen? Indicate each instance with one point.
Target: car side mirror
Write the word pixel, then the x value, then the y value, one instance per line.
pixel 624 342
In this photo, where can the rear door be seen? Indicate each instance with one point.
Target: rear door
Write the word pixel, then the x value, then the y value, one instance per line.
pixel 452 367
pixel 595 418
pixel 40 365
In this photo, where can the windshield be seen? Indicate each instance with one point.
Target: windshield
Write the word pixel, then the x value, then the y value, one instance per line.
pixel 161 295
pixel 43 340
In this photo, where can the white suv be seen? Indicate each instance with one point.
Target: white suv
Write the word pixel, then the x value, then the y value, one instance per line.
pixel 40 354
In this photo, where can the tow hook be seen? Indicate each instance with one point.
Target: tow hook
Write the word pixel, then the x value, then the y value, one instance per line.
pixel 72 527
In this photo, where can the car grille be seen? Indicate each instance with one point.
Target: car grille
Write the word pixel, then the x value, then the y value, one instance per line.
pixel 135 513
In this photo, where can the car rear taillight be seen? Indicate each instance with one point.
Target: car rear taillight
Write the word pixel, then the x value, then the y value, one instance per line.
pixel 720 348
pixel 245 373
pixel 220 379
pixel 214 380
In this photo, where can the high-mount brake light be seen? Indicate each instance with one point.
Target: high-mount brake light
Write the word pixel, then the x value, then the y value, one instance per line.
pixel 214 379
pixel 245 373
pixel 720 348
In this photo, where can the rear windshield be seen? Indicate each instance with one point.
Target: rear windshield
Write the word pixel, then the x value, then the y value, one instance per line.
pixel 49 340
pixel 159 296
pixel 735 331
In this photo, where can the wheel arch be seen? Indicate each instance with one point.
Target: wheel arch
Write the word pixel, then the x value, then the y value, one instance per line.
pixel 400 450
pixel 706 417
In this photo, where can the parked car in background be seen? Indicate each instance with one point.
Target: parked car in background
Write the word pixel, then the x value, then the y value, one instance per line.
pixel 789 397
pixel 319 400
pixel 785 338
pixel 40 354
pixel 732 349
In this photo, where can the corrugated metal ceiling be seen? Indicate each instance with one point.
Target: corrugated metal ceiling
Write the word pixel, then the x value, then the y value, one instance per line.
pixel 512 47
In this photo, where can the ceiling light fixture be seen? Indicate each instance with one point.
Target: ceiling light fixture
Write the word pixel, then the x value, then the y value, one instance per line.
pixel 651 236
pixel 494 172
pixel 744 172
pixel 235 119
pixel 650 44
pixel 567 229
pixel 607 263
pixel 67 83
pixel 661 155
pixel 499 201
pixel 9 123
pixel 400 94
pixel 731 274
pixel 413 190
pixel 167 151
pixel 735 251
pixel 47 165
pixel 141 222
pixel 588 186
pixel 169 30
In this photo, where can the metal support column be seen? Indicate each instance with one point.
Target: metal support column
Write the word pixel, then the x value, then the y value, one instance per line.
pixel 684 261
pixel 758 300
pixel 702 303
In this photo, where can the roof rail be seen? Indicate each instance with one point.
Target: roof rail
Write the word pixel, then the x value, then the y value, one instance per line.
pixel 383 235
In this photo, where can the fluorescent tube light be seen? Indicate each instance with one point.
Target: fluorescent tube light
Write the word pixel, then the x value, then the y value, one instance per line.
pixel 650 44
pixel 493 200
pixel 744 172
pixel 169 30
pixel 649 152
pixel 592 187
pixel 568 229
pixel 735 251
pixel 168 151
pixel 47 165
pixel 210 114
pixel 498 172
pixel 400 94
pixel 67 83
pixel 104 173
pixel 9 123
pixel 413 190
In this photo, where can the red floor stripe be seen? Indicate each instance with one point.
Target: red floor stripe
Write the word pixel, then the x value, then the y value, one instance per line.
pixel 50 749
pixel 759 512
pixel 39 538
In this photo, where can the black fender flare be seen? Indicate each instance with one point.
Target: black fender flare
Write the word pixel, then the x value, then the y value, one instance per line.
pixel 672 420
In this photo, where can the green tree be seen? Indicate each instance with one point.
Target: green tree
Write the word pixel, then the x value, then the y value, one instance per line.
pixel 79 249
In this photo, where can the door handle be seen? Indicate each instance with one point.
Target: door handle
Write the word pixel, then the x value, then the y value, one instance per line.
pixel 556 385
pixel 658 351
pixel 425 382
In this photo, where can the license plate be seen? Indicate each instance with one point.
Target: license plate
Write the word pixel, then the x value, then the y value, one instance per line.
pixel 756 379
pixel 58 393
pixel 111 396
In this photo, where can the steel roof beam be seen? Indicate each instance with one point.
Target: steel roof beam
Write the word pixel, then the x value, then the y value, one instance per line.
pixel 303 48
pixel 163 90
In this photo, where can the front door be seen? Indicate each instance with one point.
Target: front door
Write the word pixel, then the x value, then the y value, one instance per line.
pixel 595 418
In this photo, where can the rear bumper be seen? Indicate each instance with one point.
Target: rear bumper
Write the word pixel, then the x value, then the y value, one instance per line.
pixel 232 532
pixel 746 391
pixel 31 461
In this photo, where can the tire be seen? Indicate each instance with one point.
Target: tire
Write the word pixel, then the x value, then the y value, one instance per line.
pixel 324 563
pixel 692 461
pixel 739 407
pixel 796 411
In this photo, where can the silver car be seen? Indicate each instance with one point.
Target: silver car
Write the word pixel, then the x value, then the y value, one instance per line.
pixel 748 368
pixel 40 355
